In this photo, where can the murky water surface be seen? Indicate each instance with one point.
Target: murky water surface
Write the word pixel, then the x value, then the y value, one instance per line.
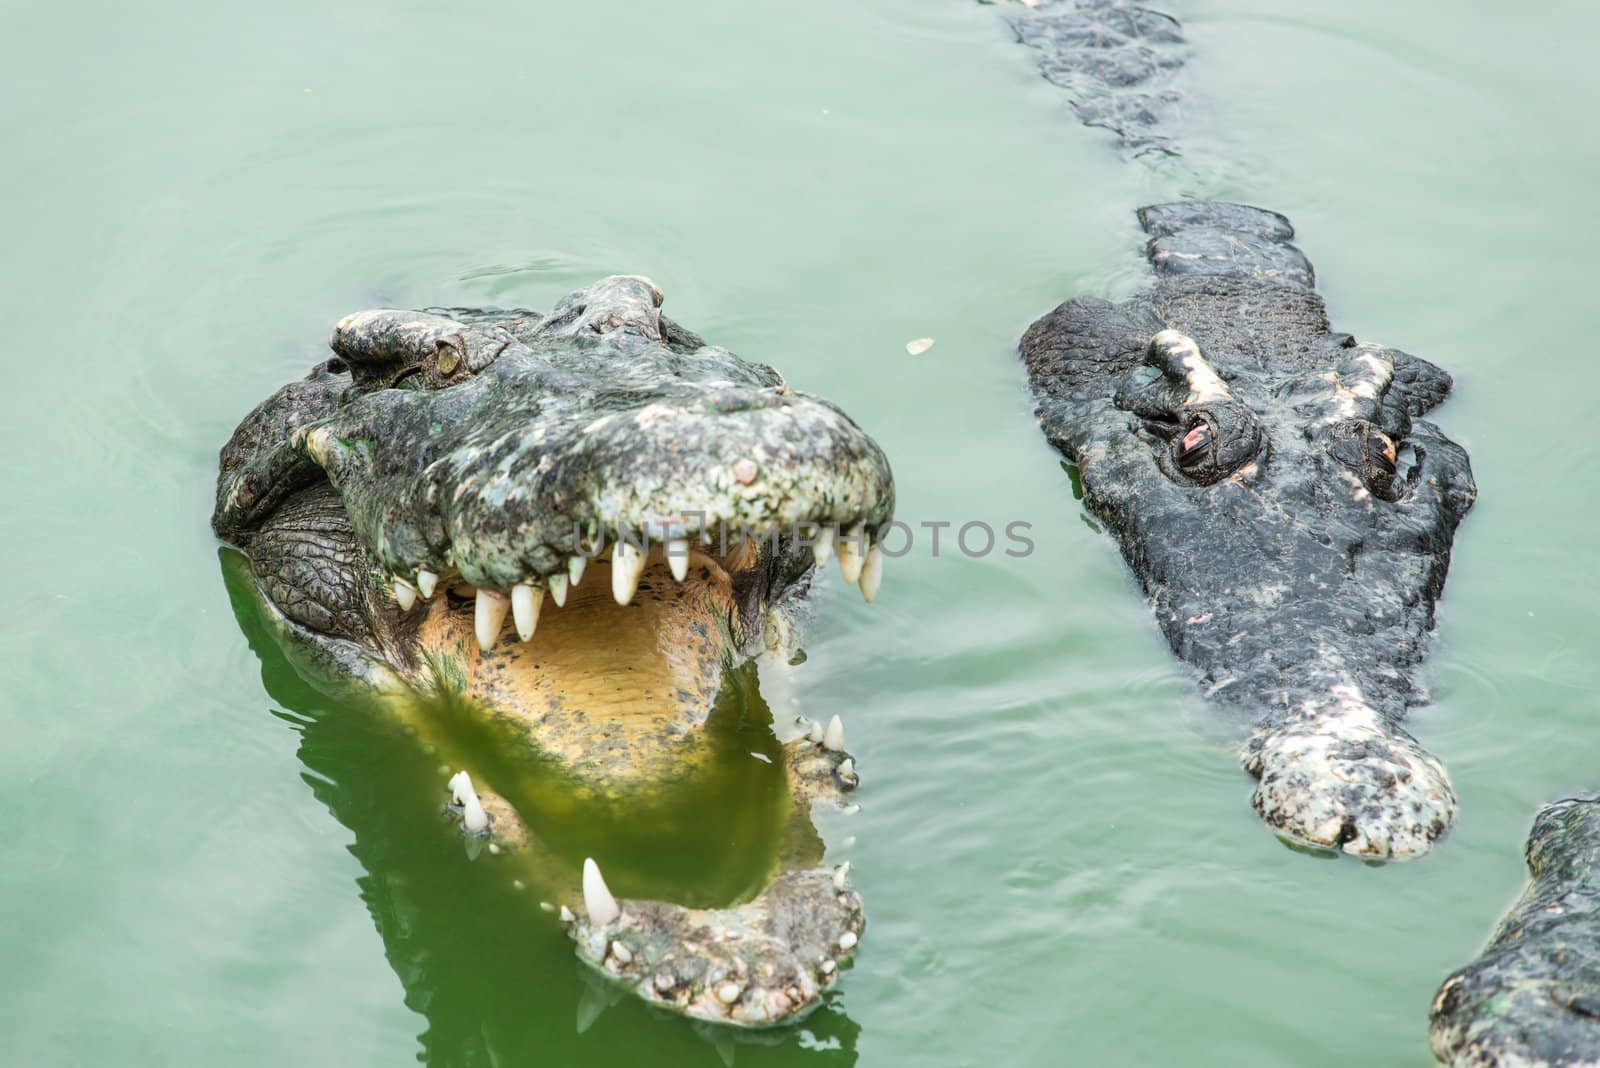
pixel 1055 845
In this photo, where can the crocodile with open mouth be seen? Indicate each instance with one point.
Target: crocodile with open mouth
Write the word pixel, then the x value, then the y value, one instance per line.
pixel 579 528
pixel 1532 997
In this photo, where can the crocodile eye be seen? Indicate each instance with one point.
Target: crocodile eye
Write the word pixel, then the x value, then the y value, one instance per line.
pixel 1369 453
pixel 1381 455
pixel 1380 449
pixel 1194 446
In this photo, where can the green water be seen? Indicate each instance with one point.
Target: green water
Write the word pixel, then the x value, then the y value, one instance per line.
pixel 1055 846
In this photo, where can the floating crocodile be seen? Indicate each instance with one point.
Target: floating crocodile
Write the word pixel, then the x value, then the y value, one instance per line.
pixel 1290 516
pixel 1532 999
pixel 1268 478
pixel 1286 510
pixel 580 528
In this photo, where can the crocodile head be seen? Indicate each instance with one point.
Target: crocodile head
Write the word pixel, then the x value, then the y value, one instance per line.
pixel 581 527
pixel 1289 513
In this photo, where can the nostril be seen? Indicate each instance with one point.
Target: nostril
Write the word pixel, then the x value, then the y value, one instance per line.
pixel 1347 833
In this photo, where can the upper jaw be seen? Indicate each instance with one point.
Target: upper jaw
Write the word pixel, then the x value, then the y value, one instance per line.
pixel 515 493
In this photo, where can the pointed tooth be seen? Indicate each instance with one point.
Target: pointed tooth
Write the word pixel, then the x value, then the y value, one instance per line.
pixel 463 793
pixel 597 900
pixel 525 602
pixel 841 876
pixel 566 915
pixel 575 568
pixel 678 557
pixel 473 816
pixel 627 564
pixel 852 550
pixel 426 582
pixel 833 737
pixel 622 954
pixel 489 615
pixel 815 731
pixel 872 574
pixel 822 546
pixel 558 589
pixel 405 594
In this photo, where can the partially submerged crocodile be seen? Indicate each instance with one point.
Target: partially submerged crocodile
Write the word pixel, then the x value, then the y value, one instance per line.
pixel 1267 477
pixel 1291 517
pixel 579 529
pixel 1532 999
pixel 1288 513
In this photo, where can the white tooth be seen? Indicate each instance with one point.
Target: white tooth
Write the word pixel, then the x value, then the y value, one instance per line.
pixel 558 589
pixel 872 574
pixel 566 915
pixel 462 792
pixel 405 594
pixel 678 558
pixel 833 737
pixel 490 614
pixel 728 993
pixel 847 767
pixel 426 582
pixel 602 907
pixel 841 875
pixel 627 564
pixel 525 602
pixel 622 953
pixel 575 568
pixel 473 815
pixel 827 967
pixel 822 546
pixel 848 940
pixel 815 731
pixel 852 553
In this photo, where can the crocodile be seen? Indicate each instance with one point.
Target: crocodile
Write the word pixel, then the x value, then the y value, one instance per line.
pixel 555 544
pixel 1532 998
pixel 1286 510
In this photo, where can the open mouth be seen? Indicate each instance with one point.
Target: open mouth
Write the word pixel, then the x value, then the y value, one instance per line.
pixel 638 634
pixel 585 526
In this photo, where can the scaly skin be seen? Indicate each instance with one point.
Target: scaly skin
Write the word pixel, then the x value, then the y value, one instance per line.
pixel 1532 998
pixel 425 498
pixel 1118 63
pixel 1294 555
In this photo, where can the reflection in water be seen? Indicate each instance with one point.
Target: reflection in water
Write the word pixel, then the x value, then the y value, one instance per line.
pixel 492 971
